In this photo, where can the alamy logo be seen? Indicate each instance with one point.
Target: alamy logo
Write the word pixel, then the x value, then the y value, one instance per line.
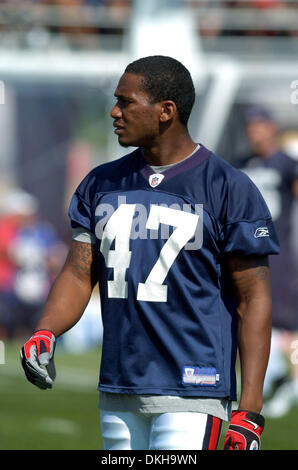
pixel 261 232
pixel 294 94
pixel 156 221
pixel 2 92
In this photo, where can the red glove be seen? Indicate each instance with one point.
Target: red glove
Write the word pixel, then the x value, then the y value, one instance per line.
pixel 245 431
pixel 38 351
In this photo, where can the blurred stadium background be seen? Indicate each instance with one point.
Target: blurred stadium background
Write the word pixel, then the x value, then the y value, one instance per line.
pixel 59 63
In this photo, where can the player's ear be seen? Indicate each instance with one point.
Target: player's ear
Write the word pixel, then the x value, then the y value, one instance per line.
pixel 168 111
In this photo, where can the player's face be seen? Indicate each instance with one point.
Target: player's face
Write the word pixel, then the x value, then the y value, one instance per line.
pixel 136 120
pixel 260 131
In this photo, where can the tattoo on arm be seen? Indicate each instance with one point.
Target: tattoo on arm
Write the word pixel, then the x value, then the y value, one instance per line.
pixel 247 272
pixel 262 273
pixel 82 259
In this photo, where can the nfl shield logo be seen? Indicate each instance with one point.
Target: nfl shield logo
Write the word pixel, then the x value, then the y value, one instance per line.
pixel 254 446
pixel 155 179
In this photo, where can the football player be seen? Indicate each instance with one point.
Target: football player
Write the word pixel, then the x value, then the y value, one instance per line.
pixel 276 175
pixel 178 241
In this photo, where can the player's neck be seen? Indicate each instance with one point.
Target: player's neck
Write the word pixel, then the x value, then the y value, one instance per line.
pixel 171 149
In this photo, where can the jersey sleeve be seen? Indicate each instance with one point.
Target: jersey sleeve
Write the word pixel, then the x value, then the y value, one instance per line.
pixel 79 211
pixel 248 228
pixel 80 234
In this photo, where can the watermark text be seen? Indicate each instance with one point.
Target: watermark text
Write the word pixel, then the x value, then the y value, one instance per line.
pixel 294 94
pixel 2 92
pixel 158 221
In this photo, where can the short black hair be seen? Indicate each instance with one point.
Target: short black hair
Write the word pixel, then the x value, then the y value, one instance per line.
pixel 165 78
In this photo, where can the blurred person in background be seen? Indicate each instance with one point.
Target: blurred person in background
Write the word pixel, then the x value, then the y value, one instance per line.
pixel 30 256
pixel 276 175
pixel 14 210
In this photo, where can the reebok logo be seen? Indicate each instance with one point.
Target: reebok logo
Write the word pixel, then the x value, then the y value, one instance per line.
pixel 261 232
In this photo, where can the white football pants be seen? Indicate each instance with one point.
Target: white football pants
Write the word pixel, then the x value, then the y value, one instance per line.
pixel 167 431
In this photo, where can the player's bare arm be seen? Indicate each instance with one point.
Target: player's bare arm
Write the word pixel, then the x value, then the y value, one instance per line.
pixel 65 305
pixel 71 291
pixel 251 280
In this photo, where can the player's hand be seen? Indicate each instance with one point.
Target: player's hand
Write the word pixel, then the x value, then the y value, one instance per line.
pixel 245 431
pixel 37 358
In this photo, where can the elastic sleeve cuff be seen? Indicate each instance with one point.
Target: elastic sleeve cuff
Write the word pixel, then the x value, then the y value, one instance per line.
pixel 80 234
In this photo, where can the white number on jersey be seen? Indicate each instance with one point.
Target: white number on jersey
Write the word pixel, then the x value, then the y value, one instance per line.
pixel 118 228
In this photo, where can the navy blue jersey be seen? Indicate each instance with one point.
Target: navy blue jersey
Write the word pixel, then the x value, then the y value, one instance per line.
pixel 274 177
pixel 169 314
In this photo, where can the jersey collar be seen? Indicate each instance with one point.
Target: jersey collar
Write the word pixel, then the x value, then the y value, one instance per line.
pixel 187 164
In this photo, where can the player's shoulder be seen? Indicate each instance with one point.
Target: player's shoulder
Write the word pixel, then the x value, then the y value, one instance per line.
pixel 232 195
pixel 107 173
pixel 228 176
pixel 112 168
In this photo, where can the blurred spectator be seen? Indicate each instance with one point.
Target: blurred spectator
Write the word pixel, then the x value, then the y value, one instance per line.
pixel 30 256
pixel 13 212
pixel 217 20
pixel 63 23
pixel 55 2
pixel 276 175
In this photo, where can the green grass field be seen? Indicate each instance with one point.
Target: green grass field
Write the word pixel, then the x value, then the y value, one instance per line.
pixel 67 417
